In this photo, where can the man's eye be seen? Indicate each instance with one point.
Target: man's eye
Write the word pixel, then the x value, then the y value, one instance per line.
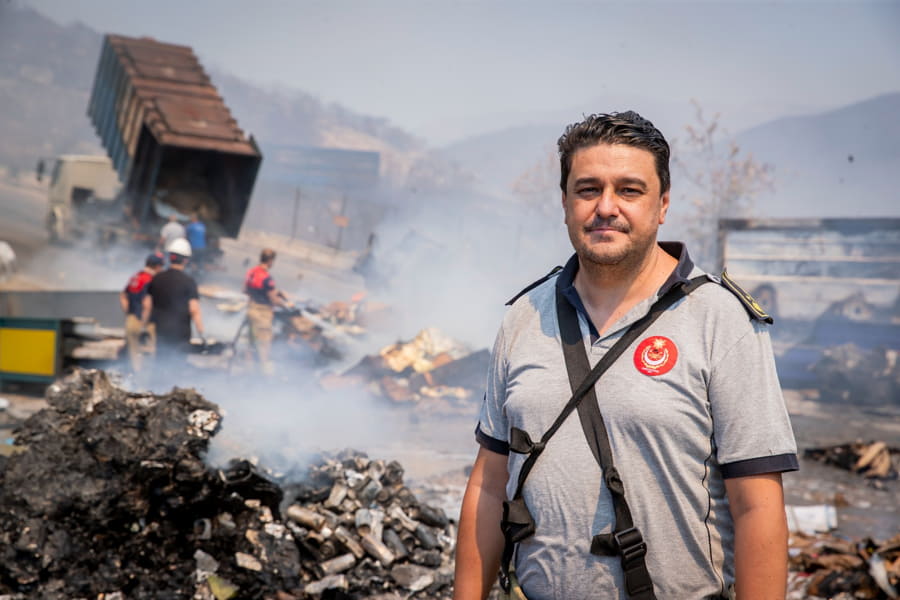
pixel 629 191
pixel 588 190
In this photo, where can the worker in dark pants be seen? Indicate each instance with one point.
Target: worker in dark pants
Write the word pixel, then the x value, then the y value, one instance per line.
pixel 171 304
pixel 132 301
pixel 263 297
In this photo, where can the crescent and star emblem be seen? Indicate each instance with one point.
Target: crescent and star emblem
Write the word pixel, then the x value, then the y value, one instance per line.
pixel 655 356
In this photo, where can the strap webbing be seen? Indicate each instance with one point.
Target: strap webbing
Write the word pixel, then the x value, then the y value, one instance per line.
pixel 626 543
pixel 625 540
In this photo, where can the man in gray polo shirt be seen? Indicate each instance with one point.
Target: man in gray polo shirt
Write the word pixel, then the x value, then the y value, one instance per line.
pixel 692 408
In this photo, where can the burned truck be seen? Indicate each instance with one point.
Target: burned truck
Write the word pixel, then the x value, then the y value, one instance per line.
pixel 833 287
pixel 173 148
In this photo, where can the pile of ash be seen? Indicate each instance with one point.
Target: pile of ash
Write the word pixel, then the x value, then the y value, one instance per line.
pixel 108 496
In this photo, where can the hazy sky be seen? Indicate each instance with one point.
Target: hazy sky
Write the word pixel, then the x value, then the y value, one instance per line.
pixel 445 69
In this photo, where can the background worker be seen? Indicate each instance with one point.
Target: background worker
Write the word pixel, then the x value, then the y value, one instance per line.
pixel 132 301
pixel 263 296
pixel 172 303
pixel 170 232
pixel 196 236
pixel 667 483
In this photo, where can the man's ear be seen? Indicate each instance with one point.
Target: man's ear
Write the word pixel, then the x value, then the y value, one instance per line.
pixel 664 208
pixel 563 199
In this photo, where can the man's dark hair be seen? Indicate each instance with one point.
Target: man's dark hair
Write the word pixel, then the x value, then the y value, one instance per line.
pixel 177 259
pixel 628 128
pixel 267 255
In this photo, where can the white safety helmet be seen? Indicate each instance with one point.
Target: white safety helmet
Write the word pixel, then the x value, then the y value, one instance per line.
pixel 179 246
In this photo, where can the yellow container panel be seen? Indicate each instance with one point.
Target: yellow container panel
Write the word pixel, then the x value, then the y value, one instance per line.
pixel 28 351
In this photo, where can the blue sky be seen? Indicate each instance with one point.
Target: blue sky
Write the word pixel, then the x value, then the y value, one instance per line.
pixel 447 69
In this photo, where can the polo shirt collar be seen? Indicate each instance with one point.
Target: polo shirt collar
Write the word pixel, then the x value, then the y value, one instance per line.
pixel 681 274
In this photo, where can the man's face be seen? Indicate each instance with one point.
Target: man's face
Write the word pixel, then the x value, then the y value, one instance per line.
pixel 613 205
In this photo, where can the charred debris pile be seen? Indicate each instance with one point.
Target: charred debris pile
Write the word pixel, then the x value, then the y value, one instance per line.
pixel 108 496
pixel 826 566
pixel 430 370
pixel 863 376
pixel 874 460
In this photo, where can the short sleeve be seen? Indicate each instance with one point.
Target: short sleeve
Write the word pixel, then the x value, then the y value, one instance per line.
pixel 193 293
pixel 752 428
pixel 493 427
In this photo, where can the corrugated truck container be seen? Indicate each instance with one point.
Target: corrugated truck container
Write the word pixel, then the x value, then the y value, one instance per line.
pixel 170 137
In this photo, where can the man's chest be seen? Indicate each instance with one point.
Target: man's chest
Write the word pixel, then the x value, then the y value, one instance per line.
pixel 659 383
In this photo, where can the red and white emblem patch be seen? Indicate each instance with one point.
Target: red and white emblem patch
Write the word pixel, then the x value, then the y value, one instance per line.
pixel 655 356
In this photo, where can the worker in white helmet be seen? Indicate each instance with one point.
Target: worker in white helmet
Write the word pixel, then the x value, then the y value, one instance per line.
pixel 172 302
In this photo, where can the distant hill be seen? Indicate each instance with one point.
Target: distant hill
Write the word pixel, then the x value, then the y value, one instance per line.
pixel 835 164
pixel 45 81
pixel 498 158
pixel 811 155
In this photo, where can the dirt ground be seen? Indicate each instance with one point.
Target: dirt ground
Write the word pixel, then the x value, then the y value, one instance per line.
pixel 864 508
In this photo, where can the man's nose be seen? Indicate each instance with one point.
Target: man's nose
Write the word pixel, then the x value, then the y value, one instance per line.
pixel 607 205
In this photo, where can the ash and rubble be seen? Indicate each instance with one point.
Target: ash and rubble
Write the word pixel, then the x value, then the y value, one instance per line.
pixel 850 373
pixel 107 495
pixel 827 566
pixel 875 460
pixel 431 370
pixel 858 481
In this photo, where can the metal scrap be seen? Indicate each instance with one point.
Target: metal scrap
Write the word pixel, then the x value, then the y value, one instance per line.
pixel 873 460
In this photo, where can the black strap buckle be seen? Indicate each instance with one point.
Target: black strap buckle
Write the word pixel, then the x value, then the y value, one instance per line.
pixel 630 545
pixel 520 442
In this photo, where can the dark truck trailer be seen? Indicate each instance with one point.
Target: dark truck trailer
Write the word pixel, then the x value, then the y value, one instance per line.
pixel 170 137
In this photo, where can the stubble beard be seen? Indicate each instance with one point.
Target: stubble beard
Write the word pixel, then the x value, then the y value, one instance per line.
pixel 608 254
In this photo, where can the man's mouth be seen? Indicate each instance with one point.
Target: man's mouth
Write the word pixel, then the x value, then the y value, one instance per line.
pixel 606 227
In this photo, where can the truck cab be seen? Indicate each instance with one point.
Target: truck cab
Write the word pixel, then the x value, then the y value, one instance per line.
pixel 79 185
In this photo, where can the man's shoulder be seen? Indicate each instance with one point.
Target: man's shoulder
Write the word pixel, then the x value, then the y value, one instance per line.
pixel 533 302
pixel 537 287
pixel 161 278
pixel 724 295
pixel 185 278
pixel 173 277
pixel 137 282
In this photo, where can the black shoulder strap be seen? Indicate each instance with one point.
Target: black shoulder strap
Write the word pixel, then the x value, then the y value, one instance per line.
pixel 756 311
pixel 533 285
pixel 625 540
pixel 517 523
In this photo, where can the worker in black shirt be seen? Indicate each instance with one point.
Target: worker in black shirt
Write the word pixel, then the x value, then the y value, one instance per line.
pixel 172 302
